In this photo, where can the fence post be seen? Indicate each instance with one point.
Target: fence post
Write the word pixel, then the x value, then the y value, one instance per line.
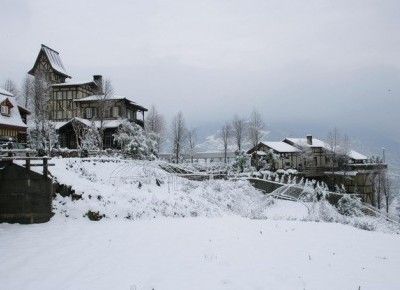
pixel 28 163
pixel 45 168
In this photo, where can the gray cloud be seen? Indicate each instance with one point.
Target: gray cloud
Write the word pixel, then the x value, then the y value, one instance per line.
pixel 332 61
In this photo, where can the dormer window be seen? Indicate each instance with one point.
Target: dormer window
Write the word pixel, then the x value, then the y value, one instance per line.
pixel 5 110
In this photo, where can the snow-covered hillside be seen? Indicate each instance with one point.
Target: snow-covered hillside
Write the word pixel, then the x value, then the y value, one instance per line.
pixel 164 232
pixel 131 189
pixel 196 253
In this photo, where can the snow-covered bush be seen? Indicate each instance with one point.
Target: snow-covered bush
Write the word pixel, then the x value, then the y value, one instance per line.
pixel 350 206
pixel 91 139
pixel 44 138
pixel 240 162
pixel 135 142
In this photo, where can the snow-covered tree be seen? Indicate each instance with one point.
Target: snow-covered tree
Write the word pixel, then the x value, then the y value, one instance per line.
pixel 104 106
pixel 44 138
pixel 192 142
pixel 256 126
pixel 155 123
pixel 225 135
pixel 26 95
pixel 91 139
pixel 178 135
pixel 238 129
pixel 9 85
pixel 350 206
pixel 240 161
pixel 135 142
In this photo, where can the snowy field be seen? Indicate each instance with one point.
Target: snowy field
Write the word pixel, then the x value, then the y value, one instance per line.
pixel 197 253
pixel 160 231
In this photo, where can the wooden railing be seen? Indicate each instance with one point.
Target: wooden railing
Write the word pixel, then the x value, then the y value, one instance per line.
pixel 28 163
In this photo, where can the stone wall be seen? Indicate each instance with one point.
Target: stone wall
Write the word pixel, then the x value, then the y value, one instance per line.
pixel 25 196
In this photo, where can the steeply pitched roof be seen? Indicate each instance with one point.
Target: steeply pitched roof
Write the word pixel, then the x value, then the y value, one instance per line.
pixel 54 59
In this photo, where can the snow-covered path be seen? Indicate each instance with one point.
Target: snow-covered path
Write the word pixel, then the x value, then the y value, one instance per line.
pixel 196 253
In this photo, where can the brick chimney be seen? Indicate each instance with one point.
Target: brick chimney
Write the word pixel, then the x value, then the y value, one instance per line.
pixel 309 139
pixel 98 79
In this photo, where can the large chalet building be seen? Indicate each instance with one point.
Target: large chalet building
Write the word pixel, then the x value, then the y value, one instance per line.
pixel 81 101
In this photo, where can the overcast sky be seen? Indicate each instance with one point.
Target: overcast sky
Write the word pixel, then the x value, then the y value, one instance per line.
pixel 337 62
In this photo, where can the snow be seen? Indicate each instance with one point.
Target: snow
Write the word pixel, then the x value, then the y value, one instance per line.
pixel 356 156
pixel 106 123
pixel 201 253
pixel 5 93
pixel 302 142
pixel 281 147
pixel 183 234
pixel 14 119
pixel 73 83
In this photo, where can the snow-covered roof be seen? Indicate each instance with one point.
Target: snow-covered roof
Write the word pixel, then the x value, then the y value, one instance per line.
pixel 5 93
pixel 302 142
pixel 74 83
pixel 107 124
pixel 114 97
pixel 356 155
pixel 261 153
pixel 14 119
pixel 281 147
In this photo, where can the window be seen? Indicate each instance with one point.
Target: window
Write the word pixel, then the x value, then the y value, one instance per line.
pixel 315 161
pixel 5 110
pixel 88 112
pixel 115 112
pixel 129 115
pixel 59 115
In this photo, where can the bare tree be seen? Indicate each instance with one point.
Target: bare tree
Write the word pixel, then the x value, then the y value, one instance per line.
pixel 338 149
pixel 238 129
pixel 155 123
pixel 27 90
pixel 192 142
pixel 178 135
pixel 40 100
pixel 9 85
pixel 105 106
pixel 79 131
pixel 256 125
pixel 225 135
pixel 383 189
